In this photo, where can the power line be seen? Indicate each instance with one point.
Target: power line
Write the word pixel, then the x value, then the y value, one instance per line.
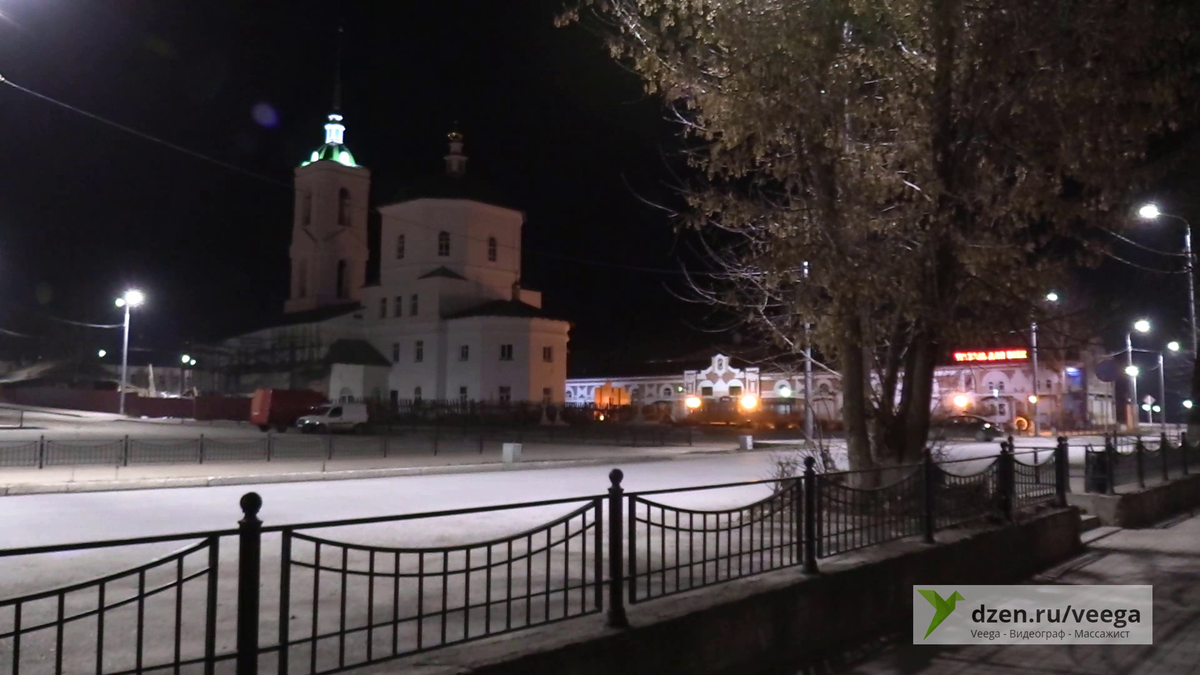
pixel 294 189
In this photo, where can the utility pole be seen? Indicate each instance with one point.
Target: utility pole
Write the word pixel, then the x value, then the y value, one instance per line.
pixel 1037 430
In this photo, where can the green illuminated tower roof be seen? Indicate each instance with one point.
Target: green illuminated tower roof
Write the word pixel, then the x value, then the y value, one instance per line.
pixel 333 149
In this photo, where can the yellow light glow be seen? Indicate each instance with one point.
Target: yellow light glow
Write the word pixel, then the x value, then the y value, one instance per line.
pixel 1033 399
pixel 960 401
pixel 749 402
pixel 692 402
pixel 602 418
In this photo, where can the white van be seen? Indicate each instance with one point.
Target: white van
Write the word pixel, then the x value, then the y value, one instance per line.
pixel 335 417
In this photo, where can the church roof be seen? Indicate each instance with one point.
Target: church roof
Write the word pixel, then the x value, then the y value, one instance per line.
pixel 442 271
pixel 355 352
pixel 334 149
pixel 509 308
pixel 450 186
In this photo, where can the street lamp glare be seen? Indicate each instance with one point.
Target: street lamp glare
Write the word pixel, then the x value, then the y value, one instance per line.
pixel 120 302
pixel 1188 404
pixel 185 358
pixel 1149 211
pixel 1033 399
pixel 749 402
pixel 692 402
pixel 102 353
pixel 1052 296
pixel 1141 326
pixel 192 362
pixel 1173 345
pixel 1131 371
pixel 134 297
pixel 960 401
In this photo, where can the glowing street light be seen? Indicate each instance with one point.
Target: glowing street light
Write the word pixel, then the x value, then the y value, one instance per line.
pixel 785 391
pixel 692 402
pixel 1052 296
pixel 1033 398
pixel 132 298
pixel 1141 326
pixel 1132 371
pixel 1173 345
pixel 1187 403
pixel 185 359
pixel 102 353
pixel 1149 211
pixel 749 402
pixel 960 401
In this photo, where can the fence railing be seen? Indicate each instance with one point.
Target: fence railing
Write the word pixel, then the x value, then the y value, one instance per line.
pixel 127 451
pixel 334 601
pixel 1125 462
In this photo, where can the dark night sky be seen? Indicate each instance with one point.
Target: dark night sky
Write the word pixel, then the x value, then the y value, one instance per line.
pixel 550 121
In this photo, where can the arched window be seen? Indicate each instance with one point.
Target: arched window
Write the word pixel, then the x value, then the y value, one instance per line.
pixel 491 249
pixel 306 207
pixel 302 280
pixel 417 393
pixel 341 279
pixel 443 244
pixel 400 247
pixel 343 207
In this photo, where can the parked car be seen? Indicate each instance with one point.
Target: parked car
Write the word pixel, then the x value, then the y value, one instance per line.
pixel 335 417
pixel 964 426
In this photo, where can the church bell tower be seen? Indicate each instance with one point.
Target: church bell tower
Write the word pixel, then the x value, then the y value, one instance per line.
pixel 329 227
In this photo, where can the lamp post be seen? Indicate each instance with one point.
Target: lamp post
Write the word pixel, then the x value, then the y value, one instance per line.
pixel 1037 429
pixel 1151 212
pixel 1141 326
pixel 132 298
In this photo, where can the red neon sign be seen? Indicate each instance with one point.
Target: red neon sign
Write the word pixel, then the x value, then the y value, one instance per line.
pixel 994 355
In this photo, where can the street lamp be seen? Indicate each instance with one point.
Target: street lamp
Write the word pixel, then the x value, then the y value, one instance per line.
pixel 1187 403
pixel 132 298
pixel 961 401
pixel 1037 429
pixel 102 353
pixel 1141 326
pixel 1052 296
pixel 1150 212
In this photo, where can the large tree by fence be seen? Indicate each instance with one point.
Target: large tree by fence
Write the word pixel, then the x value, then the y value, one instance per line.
pixel 933 162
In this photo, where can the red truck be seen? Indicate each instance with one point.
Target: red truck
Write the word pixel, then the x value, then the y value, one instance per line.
pixel 280 408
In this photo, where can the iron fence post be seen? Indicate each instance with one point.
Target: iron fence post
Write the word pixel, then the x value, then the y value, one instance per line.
pixel 1062 470
pixel 201 449
pixel 616 595
pixel 1139 451
pixel 1183 447
pixel 928 489
pixel 328 445
pixel 249 559
pixel 1008 487
pixel 798 516
pixel 42 453
pixel 810 516
pixel 1110 465
pixel 1164 446
pixel 125 451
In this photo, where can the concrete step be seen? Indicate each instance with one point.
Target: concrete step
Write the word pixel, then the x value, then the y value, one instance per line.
pixel 1088 522
pixel 1097 534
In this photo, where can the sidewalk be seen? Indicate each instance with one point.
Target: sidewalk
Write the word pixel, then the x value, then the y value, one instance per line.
pixel 57 479
pixel 1167 558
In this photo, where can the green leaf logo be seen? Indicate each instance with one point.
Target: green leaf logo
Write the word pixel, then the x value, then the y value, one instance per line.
pixel 941 608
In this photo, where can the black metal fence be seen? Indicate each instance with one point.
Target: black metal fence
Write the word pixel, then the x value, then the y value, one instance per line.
pixel 1125 463
pixel 332 604
pixel 127 451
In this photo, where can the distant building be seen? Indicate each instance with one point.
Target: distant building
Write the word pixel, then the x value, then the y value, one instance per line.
pixel 447 319
pixel 997 387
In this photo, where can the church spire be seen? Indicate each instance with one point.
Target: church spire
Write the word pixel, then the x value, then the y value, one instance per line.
pixel 456 161
pixel 337 72
pixel 334 148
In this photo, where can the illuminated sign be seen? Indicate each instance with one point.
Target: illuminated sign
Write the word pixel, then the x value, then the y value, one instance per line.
pixel 994 355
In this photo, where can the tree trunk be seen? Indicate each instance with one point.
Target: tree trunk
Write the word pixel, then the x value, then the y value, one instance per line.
pixel 919 388
pixel 854 396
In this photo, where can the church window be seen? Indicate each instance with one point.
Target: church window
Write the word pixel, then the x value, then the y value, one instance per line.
pixel 383 308
pixel 417 393
pixel 443 244
pixel 395 352
pixel 505 394
pixel 399 308
pixel 341 279
pixel 491 249
pixel 462 395
pixel 546 395
pixel 706 391
pixel 400 247
pixel 419 351
pixel 306 207
pixel 464 353
pixel 302 281
pixel 666 391
pixel 412 305
pixel 548 354
pixel 506 353
pixel 343 207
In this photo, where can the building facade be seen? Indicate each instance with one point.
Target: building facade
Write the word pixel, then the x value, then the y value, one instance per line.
pixel 996 386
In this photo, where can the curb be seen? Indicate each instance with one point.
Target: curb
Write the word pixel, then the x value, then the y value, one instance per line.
pixel 18 489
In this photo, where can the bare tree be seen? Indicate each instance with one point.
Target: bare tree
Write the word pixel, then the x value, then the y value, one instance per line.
pixel 898 173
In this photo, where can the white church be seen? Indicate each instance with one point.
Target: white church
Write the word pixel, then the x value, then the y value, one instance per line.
pixel 447 319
